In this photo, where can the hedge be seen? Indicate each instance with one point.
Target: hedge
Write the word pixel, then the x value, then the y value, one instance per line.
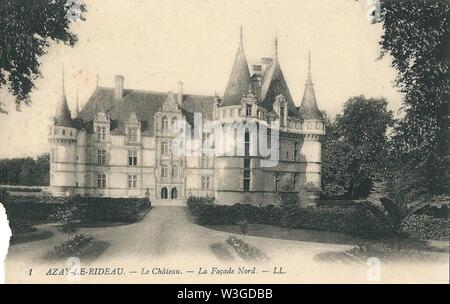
pixel 426 227
pixel 355 221
pixel 35 209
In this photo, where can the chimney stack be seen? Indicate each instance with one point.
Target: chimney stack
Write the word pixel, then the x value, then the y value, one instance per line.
pixel 256 70
pixel 118 90
pixel 180 93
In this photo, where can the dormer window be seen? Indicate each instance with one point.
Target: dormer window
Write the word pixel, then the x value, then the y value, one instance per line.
pixel 101 126
pixel 248 110
pixel 132 135
pixel 101 133
pixel 164 124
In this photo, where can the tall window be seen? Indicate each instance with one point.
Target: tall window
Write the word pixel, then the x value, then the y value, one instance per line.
pixel 246 174
pixel 164 148
pixel 205 162
pixel 205 183
pixel 132 135
pixel 269 139
pixel 208 141
pixel 101 133
pixel 173 122
pixel 247 142
pixel 282 116
pixel 164 124
pixel 101 180
pixel 132 181
pixel 164 171
pixel 205 138
pixel 295 151
pixel 174 171
pixel 277 181
pixel 101 157
pixel 132 158
pixel 295 180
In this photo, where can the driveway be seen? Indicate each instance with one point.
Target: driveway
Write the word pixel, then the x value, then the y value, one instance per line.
pixel 167 238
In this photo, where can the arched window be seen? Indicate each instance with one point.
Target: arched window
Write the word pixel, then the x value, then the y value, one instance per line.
pixel 174 193
pixel 164 193
pixel 164 124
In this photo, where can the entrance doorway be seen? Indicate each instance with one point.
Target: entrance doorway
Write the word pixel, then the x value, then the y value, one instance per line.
pixel 164 193
pixel 174 193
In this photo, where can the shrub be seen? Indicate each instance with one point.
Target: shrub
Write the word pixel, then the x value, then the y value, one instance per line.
pixel 70 248
pixel 356 221
pixel 426 227
pixel 113 209
pixel 68 217
pixel 363 223
pixel 43 208
pixel 246 251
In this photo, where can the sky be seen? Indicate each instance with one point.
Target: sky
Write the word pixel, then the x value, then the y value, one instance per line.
pixel 155 43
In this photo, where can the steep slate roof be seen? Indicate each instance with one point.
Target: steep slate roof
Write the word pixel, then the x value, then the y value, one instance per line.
pixel 274 84
pixel 239 79
pixel 102 100
pixel 199 104
pixel 144 103
pixel 308 108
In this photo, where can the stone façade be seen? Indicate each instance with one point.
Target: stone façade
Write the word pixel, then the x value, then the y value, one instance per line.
pixel 121 143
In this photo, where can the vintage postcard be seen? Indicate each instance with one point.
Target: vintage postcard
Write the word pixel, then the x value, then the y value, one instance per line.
pixel 255 141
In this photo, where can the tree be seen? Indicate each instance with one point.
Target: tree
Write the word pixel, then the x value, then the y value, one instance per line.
pixel 26 29
pixel 25 171
pixel 355 147
pixel 416 35
pixel 27 175
pixel 43 169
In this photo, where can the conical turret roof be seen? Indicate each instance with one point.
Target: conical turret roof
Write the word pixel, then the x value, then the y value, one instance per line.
pixel 308 108
pixel 239 78
pixel 77 108
pixel 62 115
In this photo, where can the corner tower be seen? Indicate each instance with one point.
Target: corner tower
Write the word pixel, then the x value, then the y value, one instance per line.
pixel 63 141
pixel 313 129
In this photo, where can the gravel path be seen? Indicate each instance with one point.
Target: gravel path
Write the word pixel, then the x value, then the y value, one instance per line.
pixel 167 238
